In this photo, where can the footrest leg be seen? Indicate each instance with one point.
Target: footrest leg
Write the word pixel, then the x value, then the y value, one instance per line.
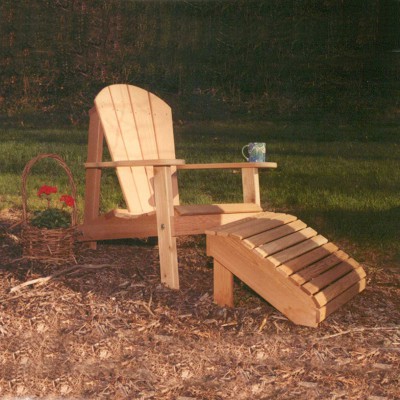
pixel 223 285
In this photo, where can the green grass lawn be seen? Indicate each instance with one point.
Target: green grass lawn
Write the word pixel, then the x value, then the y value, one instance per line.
pixel 342 180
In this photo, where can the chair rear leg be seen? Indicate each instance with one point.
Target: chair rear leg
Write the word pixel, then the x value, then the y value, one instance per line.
pixel 93 176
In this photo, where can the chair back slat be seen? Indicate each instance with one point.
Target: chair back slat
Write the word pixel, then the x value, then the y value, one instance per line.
pixel 164 133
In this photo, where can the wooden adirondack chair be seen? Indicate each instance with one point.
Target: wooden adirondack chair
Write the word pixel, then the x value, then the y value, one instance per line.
pixel 138 129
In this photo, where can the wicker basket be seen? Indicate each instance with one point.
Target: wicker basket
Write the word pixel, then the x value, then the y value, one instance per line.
pixel 55 246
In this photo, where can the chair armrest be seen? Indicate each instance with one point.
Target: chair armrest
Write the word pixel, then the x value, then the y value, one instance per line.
pixel 135 163
pixel 229 165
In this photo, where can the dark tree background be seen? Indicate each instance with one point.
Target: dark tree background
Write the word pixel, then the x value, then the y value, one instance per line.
pixel 267 58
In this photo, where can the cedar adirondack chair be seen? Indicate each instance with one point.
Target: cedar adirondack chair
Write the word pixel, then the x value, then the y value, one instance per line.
pixel 138 129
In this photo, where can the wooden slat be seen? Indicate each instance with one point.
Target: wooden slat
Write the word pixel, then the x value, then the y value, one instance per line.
pixel 119 213
pixel 229 165
pixel 225 229
pixel 306 259
pixel 144 124
pixel 199 224
pixel 342 299
pixel 323 280
pixel 251 228
pixel 163 126
pixel 112 227
pixel 256 226
pixel 297 250
pixel 203 209
pixel 123 214
pixel 134 163
pixel 164 131
pixel 143 120
pixel 286 242
pixel 338 287
pixel 216 229
pixel 319 267
pixel 273 234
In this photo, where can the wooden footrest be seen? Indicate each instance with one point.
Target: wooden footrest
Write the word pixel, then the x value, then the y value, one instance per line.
pixel 290 265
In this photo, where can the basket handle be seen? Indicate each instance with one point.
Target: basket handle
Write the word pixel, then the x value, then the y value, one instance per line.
pixel 25 174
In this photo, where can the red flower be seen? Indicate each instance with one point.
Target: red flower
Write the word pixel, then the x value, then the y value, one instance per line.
pixel 47 190
pixel 68 200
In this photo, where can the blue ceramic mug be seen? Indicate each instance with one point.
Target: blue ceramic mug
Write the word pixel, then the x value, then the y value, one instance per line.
pixel 256 152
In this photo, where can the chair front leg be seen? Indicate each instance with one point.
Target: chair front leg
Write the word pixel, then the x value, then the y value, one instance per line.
pixel 166 241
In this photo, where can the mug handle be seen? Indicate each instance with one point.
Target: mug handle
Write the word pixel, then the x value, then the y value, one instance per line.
pixel 246 158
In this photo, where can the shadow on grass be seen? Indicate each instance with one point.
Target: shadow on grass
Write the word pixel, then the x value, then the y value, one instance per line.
pixel 57 135
pixel 364 228
pixel 347 154
pixel 44 120
pixel 291 130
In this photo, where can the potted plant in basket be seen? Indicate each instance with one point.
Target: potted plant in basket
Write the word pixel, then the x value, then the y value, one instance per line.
pixel 53 217
pixel 49 235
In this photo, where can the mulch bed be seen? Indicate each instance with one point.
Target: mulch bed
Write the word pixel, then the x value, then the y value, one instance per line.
pixel 107 328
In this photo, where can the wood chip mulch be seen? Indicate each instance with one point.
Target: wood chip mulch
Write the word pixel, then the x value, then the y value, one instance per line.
pixel 106 328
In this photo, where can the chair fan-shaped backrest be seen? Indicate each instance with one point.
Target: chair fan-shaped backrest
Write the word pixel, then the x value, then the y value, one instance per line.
pixel 137 125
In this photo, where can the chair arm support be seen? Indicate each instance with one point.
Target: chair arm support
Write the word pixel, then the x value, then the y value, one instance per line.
pixel 134 163
pixel 228 165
